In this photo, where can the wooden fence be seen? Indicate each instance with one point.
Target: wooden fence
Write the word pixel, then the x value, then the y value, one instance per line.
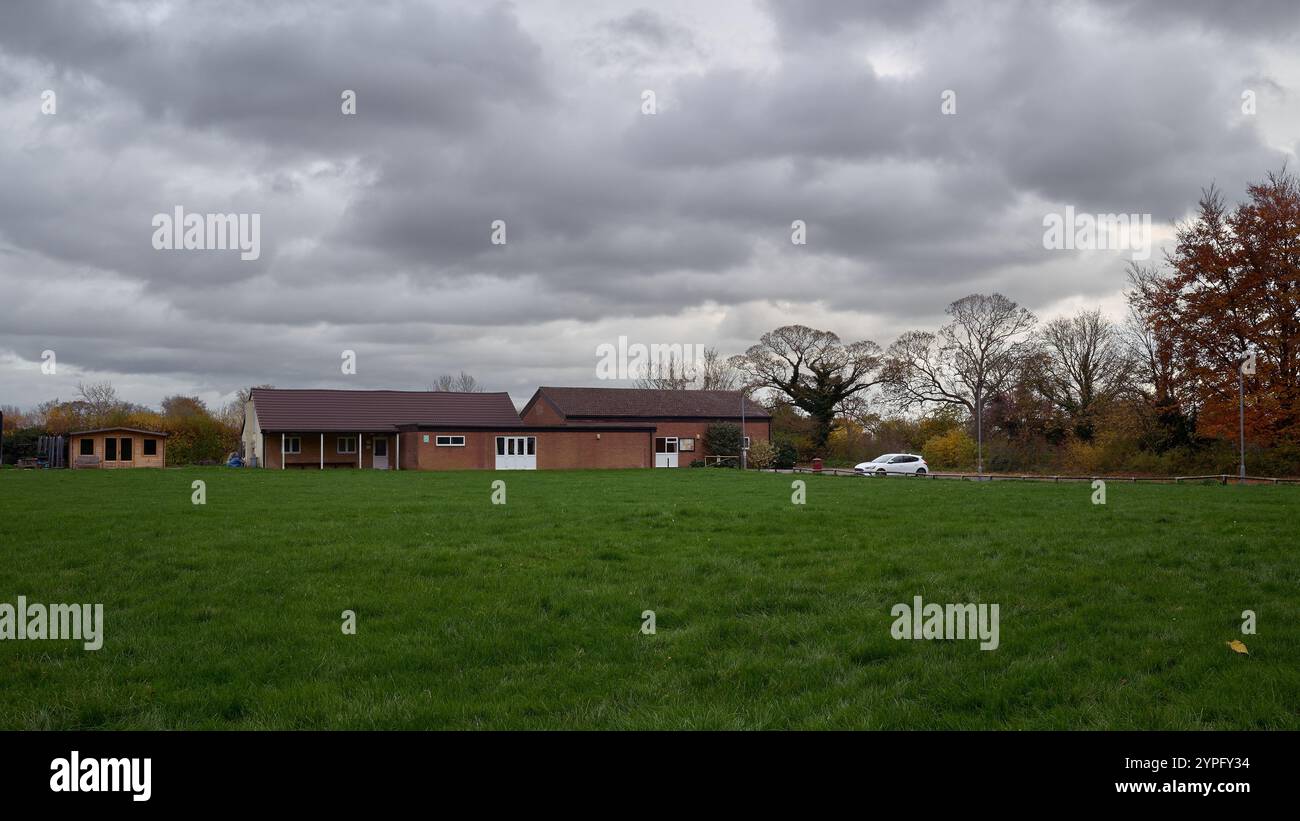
pixel 1219 478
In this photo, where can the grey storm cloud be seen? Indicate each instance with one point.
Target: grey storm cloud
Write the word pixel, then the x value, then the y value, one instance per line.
pixel 673 226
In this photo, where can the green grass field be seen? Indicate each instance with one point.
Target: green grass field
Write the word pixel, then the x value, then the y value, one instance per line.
pixel 528 615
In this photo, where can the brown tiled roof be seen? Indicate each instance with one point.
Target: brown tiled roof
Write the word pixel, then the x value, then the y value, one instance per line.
pixel 377 411
pixel 641 403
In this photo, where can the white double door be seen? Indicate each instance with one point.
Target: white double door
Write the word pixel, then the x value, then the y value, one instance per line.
pixel 516 453
pixel 666 451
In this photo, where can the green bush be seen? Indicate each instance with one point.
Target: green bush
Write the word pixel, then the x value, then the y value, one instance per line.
pixel 723 439
pixel 787 455
pixel 951 450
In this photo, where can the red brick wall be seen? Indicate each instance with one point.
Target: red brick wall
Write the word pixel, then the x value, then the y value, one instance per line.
pixel 754 430
pixel 556 449
pixel 542 413
pixel 593 449
pixel 477 454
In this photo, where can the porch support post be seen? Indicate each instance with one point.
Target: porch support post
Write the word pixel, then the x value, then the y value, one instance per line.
pixel 358 451
pixel 398 464
pixel 282 451
pixel 322 451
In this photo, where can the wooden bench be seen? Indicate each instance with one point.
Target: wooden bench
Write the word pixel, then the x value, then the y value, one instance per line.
pixel 87 462
pixel 28 462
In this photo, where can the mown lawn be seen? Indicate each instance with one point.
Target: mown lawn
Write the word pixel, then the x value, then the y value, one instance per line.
pixel 528 615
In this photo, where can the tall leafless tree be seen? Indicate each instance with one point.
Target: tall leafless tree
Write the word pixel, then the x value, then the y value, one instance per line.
pixel 712 373
pixel 972 358
pixel 100 401
pixel 1085 365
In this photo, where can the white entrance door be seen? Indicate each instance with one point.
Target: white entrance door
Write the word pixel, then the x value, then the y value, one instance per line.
pixel 381 453
pixel 665 451
pixel 516 453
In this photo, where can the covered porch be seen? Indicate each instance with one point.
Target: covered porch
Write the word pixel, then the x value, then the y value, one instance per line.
pixel 318 450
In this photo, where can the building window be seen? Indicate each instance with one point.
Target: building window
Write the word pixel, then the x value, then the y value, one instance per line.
pixel 450 441
pixel 347 444
pixel 746 443
pixel 532 445
pixel 686 444
pixel 501 446
pixel 126 450
pixel 87 447
pixel 293 444
pixel 151 447
pixel 110 449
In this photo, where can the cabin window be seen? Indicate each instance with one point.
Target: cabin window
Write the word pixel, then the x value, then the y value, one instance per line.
pixel 126 449
pixel 451 441
pixel 293 444
pixel 87 447
pixel 110 449
pixel 151 447
pixel 347 444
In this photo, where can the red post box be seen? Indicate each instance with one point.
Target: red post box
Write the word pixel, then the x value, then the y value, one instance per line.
pixel 817 465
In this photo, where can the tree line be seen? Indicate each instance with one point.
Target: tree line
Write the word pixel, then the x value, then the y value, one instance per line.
pixel 995 388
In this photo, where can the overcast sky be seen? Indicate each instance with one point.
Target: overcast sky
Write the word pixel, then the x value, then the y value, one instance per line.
pixel 672 227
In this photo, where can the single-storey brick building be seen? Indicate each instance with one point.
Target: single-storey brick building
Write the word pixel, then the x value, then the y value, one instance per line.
pixel 438 430
pixel 680 418
pixel 117 448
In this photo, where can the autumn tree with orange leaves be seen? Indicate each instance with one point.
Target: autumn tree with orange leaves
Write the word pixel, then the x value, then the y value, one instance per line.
pixel 1234 282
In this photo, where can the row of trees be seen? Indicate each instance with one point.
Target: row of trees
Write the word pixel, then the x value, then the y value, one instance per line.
pixel 1158 391
pixel 198 435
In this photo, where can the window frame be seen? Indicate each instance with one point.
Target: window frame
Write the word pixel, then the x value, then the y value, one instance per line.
pixel 126 449
pixel 293 446
pixel 338 445
pixel 148 447
pixel 86 440
pixel 450 443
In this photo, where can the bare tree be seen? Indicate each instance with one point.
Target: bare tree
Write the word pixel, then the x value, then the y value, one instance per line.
pixel 100 400
pixel 1085 365
pixel 712 373
pixel 813 369
pixel 973 357
pixel 462 383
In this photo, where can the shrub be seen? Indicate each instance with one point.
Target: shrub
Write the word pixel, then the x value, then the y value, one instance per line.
pixel 722 439
pixel 761 455
pixel 786 456
pixel 952 450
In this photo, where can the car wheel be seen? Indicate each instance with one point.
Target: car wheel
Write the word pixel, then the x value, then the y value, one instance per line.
pixel 920 471
pixel 881 473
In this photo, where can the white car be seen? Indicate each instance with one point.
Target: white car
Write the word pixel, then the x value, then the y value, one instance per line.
pixel 893 463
